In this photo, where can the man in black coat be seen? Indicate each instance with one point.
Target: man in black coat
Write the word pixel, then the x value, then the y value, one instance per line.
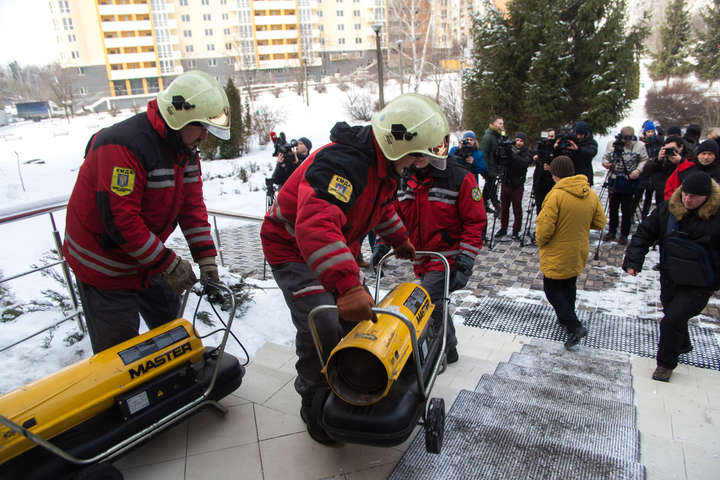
pixel 583 152
pixel 687 228
pixel 512 187
pixel 288 162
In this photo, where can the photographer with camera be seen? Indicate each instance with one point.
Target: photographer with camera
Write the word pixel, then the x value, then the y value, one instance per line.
pixel 653 143
pixel 513 162
pixel 580 146
pixel 471 158
pixel 670 155
pixel 489 145
pixel 625 158
pixel 542 178
pixel 289 156
pixel 705 160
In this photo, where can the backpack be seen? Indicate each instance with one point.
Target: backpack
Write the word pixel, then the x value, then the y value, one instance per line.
pixel 687 262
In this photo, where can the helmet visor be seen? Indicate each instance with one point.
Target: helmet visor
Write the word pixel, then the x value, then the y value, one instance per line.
pixel 438 163
pixel 221 133
pixel 219 125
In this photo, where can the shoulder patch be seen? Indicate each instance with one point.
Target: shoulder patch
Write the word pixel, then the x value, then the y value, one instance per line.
pixel 123 181
pixel 476 194
pixel 340 188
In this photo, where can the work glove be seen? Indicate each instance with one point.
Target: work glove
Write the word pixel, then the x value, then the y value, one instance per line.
pixel 355 305
pixel 405 250
pixel 208 270
pixel 179 275
pixel 461 272
pixel 378 252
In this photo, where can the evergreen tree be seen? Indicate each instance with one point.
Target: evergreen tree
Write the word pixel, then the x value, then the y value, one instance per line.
pixel 247 124
pixel 208 148
pixel 231 148
pixel 540 65
pixel 672 59
pixel 707 49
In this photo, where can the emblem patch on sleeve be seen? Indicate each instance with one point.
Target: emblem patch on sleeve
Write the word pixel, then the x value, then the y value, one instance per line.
pixel 476 194
pixel 340 188
pixel 123 181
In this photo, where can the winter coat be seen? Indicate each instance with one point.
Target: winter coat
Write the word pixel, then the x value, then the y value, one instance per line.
pixel 568 213
pixel 632 159
pixel 582 157
pixel 341 192
pixel 686 168
pixel 701 225
pixel 443 211
pixel 283 170
pixel 488 145
pixel 516 168
pixel 478 166
pixel 137 183
pixel 542 179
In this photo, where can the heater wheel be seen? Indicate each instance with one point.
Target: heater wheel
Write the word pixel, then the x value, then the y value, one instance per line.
pixel 434 425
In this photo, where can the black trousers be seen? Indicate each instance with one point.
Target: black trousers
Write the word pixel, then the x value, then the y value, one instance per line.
pixel 561 295
pixel 489 191
pixel 624 202
pixel 113 316
pixel 680 304
pixel 434 283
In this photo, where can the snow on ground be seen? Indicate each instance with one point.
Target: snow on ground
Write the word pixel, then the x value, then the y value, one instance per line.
pixel 40 160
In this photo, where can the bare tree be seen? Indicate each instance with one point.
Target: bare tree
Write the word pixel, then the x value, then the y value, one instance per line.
pixel 413 23
pixel 264 120
pixel 59 82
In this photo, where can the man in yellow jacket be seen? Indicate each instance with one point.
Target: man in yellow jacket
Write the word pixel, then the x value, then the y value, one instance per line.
pixel 568 213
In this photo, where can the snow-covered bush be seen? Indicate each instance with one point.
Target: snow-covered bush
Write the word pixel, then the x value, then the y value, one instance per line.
pixel 359 105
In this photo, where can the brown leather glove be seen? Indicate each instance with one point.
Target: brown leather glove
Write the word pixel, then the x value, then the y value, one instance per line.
pixel 355 305
pixel 180 275
pixel 208 270
pixel 405 250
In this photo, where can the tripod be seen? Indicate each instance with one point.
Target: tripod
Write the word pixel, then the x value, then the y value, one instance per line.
pixel 493 199
pixel 269 200
pixel 603 190
pixel 528 220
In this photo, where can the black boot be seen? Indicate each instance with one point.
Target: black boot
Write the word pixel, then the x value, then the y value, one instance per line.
pixel 310 412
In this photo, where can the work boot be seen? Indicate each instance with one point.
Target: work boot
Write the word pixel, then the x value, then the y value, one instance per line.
pixel 575 337
pixel 622 240
pixel 516 236
pixel 685 349
pixel 609 237
pixel 361 261
pixel 310 412
pixel 500 233
pixel 662 374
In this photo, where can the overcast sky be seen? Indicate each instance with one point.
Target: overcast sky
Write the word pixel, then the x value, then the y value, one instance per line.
pixel 26 32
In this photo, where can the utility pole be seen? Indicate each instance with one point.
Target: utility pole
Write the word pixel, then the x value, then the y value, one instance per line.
pixel 402 80
pixel 377 27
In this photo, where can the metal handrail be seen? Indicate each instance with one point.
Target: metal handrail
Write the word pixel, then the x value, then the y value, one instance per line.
pixel 54 204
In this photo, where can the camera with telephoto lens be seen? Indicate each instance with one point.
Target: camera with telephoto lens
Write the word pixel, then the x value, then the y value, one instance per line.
pixel 504 150
pixel 288 147
pixel 545 149
pixel 618 144
pixel 563 141
pixel 465 150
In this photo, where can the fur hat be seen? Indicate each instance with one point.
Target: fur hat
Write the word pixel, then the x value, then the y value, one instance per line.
pixel 582 128
pixel 627 131
pixel 708 146
pixel 562 167
pixel 307 142
pixel 697 183
pixel 469 134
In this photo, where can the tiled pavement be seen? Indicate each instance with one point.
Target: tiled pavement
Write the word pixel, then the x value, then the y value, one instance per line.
pixel 263 436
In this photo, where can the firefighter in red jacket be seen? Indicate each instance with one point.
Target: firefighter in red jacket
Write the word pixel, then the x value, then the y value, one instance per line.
pixel 311 233
pixel 140 179
pixel 443 212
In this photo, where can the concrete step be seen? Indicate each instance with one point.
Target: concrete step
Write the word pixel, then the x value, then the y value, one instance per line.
pixel 539 346
pixel 476 451
pixel 571 383
pixel 561 423
pixel 622 413
pixel 586 368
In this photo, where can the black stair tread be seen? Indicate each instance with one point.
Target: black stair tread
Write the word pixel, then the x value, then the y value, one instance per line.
pixel 547 346
pixel 581 367
pixel 572 383
pixel 565 424
pixel 622 413
pixel 475 451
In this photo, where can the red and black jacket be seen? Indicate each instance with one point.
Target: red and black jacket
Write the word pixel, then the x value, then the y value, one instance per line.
pixel 137 183
pixel 686 168
pixel 340 193
pixel 443 212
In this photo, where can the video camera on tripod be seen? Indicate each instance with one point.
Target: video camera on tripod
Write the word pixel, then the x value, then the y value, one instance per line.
pixel 565 136
pixel 281 145
pixel 504 151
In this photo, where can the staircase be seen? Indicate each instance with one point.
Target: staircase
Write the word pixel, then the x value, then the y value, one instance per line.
pixel 546 413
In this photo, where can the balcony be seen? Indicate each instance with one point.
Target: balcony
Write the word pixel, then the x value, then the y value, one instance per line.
pixel 133 73
pixel 126 26
pixel 276 20
pixel 132 57
pixel 292 62
pixel 280 5
pixel 277 34
pixel 273 49
pixel 119 42
pixel 127 9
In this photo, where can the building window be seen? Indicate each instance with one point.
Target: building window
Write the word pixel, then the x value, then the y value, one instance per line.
pixel 189 48
pixel 228 46
pixel 226 31
pixel 230 61
pixel 183 3
pixel 75 54
pixel 206 2
pixel 321 28
pixel 212 62
pixel 339 13
pixel 185 18
pixel 64 6
pixel 225 16
pixel 191 63
pixel 187 33
pixel 206 17
pixel 322 41
pixel 208 32
pixel 83 91
pixel 72 38
pixel 211 47
pixel 358 40
pixel 67 24
pixel 320 14
pixel 358 26
pixel 356 13
pixel 223 2
pixel 341 26
pixel 81 70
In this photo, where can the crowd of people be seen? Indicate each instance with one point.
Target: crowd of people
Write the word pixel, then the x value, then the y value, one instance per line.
pixel 398 180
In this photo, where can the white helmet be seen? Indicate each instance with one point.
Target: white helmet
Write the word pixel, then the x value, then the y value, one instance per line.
pixel 412 124
pixel 195 96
